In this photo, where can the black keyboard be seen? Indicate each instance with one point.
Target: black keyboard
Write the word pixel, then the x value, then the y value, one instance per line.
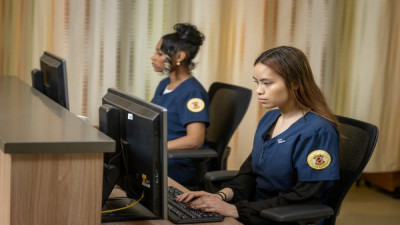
pixel 179 213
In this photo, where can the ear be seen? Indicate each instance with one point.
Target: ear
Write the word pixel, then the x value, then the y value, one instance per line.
pixel 180 56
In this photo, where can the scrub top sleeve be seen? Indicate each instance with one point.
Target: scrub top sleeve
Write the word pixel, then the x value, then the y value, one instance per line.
pixel 244 183
pixel 194 108
pixel 316 156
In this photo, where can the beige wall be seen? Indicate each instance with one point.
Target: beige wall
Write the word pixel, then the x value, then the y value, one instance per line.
pixel 352 46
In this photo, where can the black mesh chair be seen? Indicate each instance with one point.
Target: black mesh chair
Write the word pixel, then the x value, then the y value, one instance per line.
pixel 228 105
pixel 357 143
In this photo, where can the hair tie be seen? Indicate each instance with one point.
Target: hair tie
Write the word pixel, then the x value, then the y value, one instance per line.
pixel 223 195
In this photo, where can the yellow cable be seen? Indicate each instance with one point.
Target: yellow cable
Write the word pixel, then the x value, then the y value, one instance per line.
pixel 119 209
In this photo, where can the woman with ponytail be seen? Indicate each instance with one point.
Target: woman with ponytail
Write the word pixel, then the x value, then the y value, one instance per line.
pixel 183 96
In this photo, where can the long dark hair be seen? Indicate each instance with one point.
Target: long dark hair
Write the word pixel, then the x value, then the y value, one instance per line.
pixel 293 66
pixel 185 38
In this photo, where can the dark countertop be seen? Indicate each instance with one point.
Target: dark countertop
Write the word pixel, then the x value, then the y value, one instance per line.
pixel 30 122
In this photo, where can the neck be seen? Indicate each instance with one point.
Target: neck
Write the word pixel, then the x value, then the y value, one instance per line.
pixel 291 110
pixel 290 113
pixel 177 77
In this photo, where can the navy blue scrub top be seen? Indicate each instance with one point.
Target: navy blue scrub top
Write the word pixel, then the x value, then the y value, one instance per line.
pixel 186 104
pixel 306 151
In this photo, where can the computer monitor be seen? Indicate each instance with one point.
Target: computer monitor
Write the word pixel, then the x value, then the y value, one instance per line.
pixel 51 79
pixel 139 164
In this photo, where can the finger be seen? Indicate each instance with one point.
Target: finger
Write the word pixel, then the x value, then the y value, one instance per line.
pixel 206 208
pixel 200 206
pixel 182 197
pixel 210 200
pixel 203 201
pixel 193 195
pixel 187 197
pixel 209 209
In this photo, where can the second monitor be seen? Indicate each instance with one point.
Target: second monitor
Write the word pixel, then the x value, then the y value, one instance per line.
pixel 139 165
pixel 51 79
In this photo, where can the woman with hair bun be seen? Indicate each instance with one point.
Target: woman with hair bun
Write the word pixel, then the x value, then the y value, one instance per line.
pixel 183 96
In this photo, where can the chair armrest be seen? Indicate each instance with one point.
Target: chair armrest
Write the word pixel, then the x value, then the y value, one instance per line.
pixel 221 175
pixel 192 153
pixel 294 213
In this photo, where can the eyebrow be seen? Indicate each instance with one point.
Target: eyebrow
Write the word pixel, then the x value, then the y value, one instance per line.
pixel 262 79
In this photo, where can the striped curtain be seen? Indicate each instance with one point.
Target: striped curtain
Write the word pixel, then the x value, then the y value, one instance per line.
pixel 352 46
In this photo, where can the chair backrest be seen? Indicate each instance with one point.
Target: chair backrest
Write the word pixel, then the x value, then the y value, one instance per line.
pixel 357 143
pixel 228 105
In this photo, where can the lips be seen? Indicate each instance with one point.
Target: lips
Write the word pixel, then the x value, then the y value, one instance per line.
pixel 260 100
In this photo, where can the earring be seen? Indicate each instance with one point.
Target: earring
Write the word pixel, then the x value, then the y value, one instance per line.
pixel 178 63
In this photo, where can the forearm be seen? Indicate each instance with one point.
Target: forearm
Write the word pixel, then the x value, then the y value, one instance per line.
pixel 301 193
pixel 194 138
pixel 185 142
pixel 242 186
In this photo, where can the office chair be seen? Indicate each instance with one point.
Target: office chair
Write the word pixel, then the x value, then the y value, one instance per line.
pixel 357 143
pixel 228 105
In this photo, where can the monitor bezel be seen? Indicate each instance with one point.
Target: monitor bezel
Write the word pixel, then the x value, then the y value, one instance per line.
pixel 57 64
pixel 163 140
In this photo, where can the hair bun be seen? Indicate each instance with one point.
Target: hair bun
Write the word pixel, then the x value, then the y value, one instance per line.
pixel 189 33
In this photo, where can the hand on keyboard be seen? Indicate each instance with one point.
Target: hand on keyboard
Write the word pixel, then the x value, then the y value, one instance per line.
pixel 179 212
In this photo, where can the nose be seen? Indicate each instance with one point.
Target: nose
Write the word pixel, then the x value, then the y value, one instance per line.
pixel 259 89
pixel 153 57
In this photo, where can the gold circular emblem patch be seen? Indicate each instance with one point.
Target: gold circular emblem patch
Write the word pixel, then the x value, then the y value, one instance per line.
pixel 318 159
pixel 195 105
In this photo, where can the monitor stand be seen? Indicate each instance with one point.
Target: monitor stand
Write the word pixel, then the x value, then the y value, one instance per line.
pixel 136 212
pixel 115 198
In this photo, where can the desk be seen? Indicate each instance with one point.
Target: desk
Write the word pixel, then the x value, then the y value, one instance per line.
pixel 227 221
pixel 51 162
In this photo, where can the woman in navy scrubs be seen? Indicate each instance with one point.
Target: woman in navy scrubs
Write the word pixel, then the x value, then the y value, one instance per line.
pixel 183 96
pixel 295 151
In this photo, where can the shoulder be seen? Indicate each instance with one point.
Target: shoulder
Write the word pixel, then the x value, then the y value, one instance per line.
pixel 195 84
pixel 316 124
pixel 192 89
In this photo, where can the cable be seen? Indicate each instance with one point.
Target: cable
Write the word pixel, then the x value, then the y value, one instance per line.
pixel 115 157
pixel 119 153
pixel 126 207
pixel 125 163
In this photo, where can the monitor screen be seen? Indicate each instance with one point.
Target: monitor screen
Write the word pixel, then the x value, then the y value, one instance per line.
pixel 51 79
pixel 141 156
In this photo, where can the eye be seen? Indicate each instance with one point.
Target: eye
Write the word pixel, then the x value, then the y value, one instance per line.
pixel 255 80
pixel 267 83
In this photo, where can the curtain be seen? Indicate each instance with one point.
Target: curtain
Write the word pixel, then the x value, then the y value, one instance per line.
pixel 352 46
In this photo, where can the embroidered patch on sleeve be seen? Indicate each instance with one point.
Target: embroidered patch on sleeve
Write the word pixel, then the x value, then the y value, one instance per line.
pixel 195 105
pixel 319 159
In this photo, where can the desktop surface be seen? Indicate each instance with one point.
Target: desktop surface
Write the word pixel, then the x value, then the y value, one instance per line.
pixel 29 118
pixel 116 193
